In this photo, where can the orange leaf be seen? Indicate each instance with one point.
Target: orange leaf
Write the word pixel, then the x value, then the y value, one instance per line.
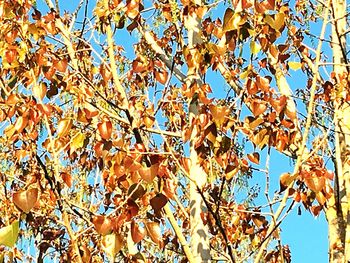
pixel 25 200
pixel 254 157
pixel 161 76
pixel 316 184
pixel 258 107
pixel 67 178
pixel 61 65
pixel 153 231
pixel 137 232
pixel 105 129
pixel 263 83
pixel 103 224
pixel 21 123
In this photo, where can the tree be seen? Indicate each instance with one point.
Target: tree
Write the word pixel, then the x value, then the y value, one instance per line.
pixel 132 130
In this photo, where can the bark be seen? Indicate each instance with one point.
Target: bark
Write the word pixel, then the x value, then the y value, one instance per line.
pixel 338 209
pixel 199 232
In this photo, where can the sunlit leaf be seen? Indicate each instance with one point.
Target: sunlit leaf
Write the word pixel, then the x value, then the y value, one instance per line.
pixel 254 47
pixel 285 180
pixel 105 129
pixel 154 232
pixel 103 224
pixel 254 157
pixel 9 234
pixel 112 244
pixel 26 199
pixel 294 65
pixel 63 127
pixel 77 141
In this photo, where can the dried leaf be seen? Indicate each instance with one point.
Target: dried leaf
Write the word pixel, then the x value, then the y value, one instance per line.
pixel 25 200
pixel 137 232
pixel 158 202
pixel 103 224
pixel 254 157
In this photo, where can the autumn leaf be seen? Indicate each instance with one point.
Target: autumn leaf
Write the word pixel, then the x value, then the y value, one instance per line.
pixel 105 129
pixel 137 232
pixel 254 47
pixel 63 127
pixel 77 142
pixel 112 244
pixel 154 232
pixel 254 157
pixel 158 202
pixel 294 65
pixel 26 199
pixel 103 224
pixel 9 234
pixel 161 76
pixel 39 91
pixel 285 180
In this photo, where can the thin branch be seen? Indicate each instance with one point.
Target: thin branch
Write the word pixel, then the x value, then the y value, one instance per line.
pixel 310 110
pixel 179 234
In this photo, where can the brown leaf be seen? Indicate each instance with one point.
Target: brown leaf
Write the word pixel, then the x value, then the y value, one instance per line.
pixel 136 191
pixel 285 180
pixel 137 232
pixel 158 202
pixel 103 224
pixel 25 200
pixel 254 157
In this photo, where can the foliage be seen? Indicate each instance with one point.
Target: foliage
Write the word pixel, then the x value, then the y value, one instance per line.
pixel 97 127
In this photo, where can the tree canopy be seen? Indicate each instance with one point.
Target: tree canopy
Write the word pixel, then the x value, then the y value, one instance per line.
pixel 131 131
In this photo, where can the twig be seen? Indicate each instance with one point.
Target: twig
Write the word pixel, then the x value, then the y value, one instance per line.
pixel 304 139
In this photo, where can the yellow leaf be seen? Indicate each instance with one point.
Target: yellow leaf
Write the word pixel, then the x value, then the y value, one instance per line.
pixel 77 142
pixel 254 47
pixel 276 23
pixel 294 65
pixel 279 21
pixel 233 20
pixel 112 244
pixel 244 74
pixel 9 234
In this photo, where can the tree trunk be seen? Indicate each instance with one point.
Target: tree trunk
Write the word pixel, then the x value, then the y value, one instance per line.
pixel 199 232
pixel 338 209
